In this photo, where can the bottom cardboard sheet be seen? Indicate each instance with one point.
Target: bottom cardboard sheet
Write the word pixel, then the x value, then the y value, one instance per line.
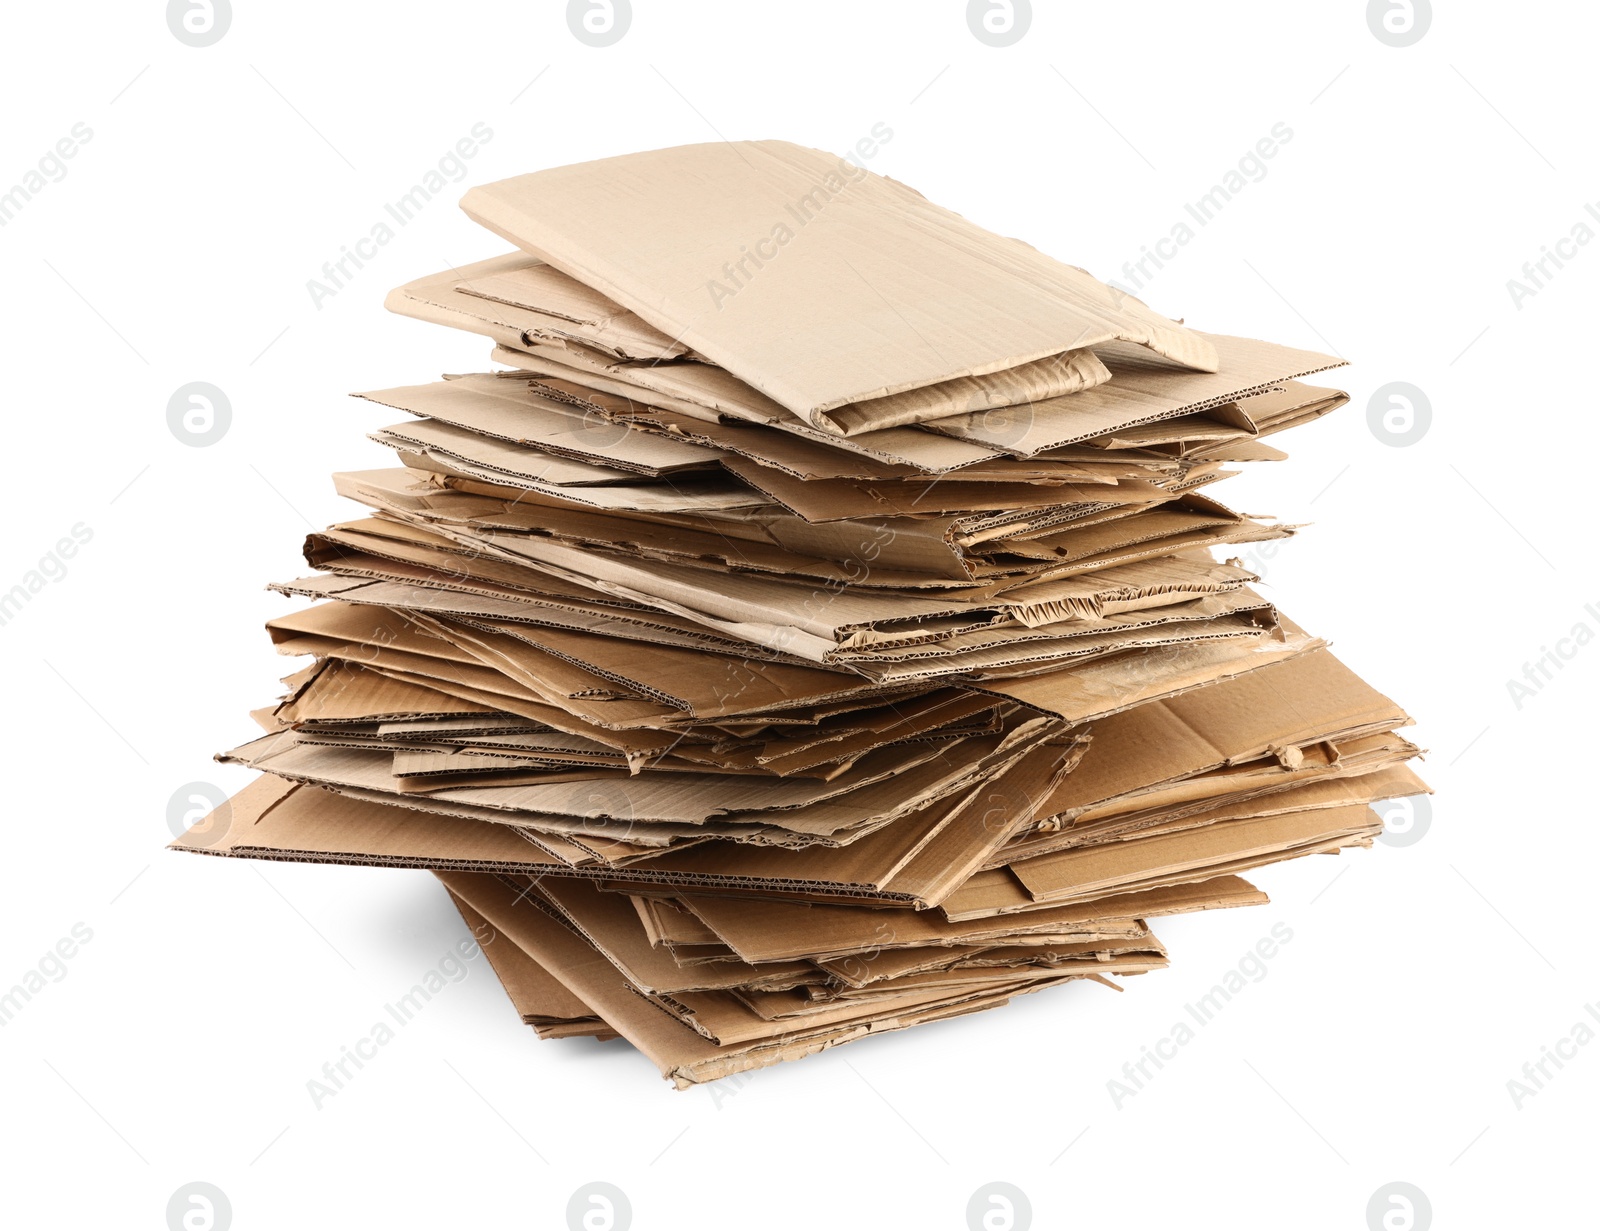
pixel 577 960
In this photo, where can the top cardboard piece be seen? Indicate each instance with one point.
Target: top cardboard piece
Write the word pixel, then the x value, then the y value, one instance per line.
pixel 1143 390
pixel 812 279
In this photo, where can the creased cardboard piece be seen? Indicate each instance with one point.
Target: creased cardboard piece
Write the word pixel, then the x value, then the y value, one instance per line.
pixel 541 1000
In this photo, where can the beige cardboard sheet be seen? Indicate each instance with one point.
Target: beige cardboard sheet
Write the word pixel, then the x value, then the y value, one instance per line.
pixel 870 289
pixel 1139 391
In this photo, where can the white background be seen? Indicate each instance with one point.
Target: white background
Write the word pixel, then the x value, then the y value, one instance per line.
pixel 177 248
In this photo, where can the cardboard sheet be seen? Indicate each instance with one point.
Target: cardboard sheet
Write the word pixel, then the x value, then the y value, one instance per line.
pixel 854 304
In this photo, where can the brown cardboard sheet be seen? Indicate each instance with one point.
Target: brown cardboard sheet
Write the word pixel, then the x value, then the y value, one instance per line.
pixel 775 931
pixel 681 1053
pixel 1095 872
pixel 541 1000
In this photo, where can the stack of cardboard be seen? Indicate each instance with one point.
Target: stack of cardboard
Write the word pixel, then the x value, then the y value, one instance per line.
pixel 817 630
